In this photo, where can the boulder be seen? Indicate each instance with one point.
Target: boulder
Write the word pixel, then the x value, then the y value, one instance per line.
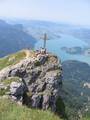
pixel 17 90
pixel 36 101
pixel 46 102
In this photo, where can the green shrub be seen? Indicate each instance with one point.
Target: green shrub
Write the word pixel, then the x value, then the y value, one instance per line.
pixel 3 91
pixel 60 108
pixel 37 63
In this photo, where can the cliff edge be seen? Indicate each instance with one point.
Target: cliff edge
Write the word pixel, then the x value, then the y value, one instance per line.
pixel 33 79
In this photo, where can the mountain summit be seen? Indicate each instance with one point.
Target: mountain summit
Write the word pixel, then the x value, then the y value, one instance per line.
pixel 33 79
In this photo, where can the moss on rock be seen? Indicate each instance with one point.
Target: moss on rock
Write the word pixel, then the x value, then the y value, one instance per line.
pixel 10 80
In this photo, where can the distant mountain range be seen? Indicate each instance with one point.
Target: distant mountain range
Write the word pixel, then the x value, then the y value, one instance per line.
pixel 37 28
pixel 14 38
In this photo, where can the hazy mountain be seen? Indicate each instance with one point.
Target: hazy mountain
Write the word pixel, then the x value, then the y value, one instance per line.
pixel 37 28
pixel 14 38
pixel 79 32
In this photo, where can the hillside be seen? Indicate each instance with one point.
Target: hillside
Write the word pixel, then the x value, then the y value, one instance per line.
pixel 11 111
pixel 41 74
pixel 76 91
pixel 14 38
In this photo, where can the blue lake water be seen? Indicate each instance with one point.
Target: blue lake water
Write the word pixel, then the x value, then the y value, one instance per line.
pixel 55 45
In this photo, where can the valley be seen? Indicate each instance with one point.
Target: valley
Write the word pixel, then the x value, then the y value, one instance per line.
pixel 61 37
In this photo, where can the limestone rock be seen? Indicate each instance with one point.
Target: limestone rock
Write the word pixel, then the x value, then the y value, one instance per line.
pixel 17 90
pixel 41 79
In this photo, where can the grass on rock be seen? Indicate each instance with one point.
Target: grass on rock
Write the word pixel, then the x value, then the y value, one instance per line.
pixel 10 80
pixel 12 59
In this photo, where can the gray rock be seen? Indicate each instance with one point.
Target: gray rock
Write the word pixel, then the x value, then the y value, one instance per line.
pixel 42 59
pixel 41 87
pixel 46 102
pixel 36 101
pixel 17 90
pixel 42 81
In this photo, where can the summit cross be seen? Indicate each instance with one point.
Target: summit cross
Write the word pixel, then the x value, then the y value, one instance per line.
pixel 45 38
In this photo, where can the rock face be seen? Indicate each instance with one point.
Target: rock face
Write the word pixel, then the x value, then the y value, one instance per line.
pixel 39 81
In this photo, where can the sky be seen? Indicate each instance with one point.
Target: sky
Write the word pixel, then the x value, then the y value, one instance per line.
pixel 69 11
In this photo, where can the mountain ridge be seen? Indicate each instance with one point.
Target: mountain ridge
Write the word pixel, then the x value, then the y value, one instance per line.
pixel 14 38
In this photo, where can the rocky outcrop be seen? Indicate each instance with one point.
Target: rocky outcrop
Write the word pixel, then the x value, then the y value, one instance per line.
pixel 39 81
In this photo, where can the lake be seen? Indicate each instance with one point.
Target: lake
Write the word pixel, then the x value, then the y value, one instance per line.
pixel 54 45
